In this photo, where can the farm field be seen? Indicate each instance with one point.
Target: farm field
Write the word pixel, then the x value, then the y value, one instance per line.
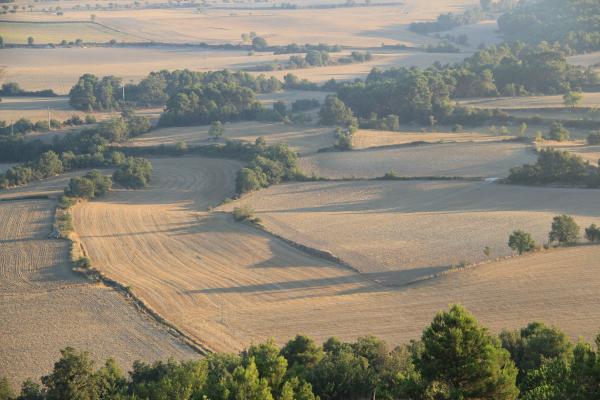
pixel 36 108
pixel 54 32
pixel 229 284
pixel 508 103
pixel 367 138
pixel 451 159
pixel 45 307
pixel 59 68
pixel 304 139
pixel 351 26
pixel 402 229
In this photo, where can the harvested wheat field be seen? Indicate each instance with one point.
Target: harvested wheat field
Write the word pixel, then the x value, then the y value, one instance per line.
pixel 410 230
pixel 45 307
pixel 229 284
pixel 507 103
pixel 450 159
pixel 36 108
pixel 368 138
pixel 352 26
pixel 55 32
pixel 304 139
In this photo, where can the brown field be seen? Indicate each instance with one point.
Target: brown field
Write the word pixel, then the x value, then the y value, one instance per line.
pixel 45 307
pixel 367 138
pixel 51 32
pixel 407 228
pixel 358 26
pixel 586 60
pixel 229 284
pixel 508 103
pixel 451 159
pixel 59 68
pixel 305 139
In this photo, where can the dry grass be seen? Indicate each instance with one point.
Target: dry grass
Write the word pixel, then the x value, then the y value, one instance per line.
pixel 36 108
pixel 46 307
pixel 366 138
pixel 453 159
pixel 508 103
pixel 52 32
pixel 228 284
pixel 304 139
pixel 414 229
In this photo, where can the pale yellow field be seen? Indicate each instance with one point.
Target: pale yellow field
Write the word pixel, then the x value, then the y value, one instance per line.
pixel 359 26
pixel 52 32
pixel 228 284
pixel 45 307
pixel 366 138
pixel 507 103
pixel 414 229
pixel 451 159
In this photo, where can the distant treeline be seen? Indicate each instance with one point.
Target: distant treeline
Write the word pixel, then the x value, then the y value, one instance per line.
pixel 574 24
pixel 426 95
pixel 455 358
pixel 13 89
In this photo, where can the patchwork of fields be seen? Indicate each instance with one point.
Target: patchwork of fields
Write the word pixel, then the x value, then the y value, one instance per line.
pixel 45 307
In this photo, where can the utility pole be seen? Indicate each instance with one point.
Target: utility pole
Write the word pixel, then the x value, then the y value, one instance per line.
pixel 12 128
pixel 49 126
pixel 123 90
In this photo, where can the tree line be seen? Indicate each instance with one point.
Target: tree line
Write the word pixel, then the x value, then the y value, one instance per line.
pixel 85 149
pixel 573 24
pixel 13 89
pixel 556 167
pixel 455 358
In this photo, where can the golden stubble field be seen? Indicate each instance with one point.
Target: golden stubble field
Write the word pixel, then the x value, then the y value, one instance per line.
pixel 477 159
pixel 229 284
pixel 409 230
pixel 350 26
pixel 45 307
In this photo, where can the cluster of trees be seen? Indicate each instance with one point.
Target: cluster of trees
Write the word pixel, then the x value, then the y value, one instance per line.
pixel 456 358
pixel 416 94
pixel 447 21
pixel 296 48
pixel 572 23
pixel 564 231
pixel 24 125
pixel 556 167
pixel 93 93
pixel 133 173
pixel 269 165
pixel 85 149
pixel 49 164
pixel 89 186
pixel 301 105
pixel 442 47
pixel 13 89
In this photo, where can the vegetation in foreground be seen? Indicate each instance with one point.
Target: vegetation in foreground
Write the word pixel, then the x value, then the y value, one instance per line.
pixel 456 358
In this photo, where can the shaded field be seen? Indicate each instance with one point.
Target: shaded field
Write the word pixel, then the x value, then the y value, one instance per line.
pixel 45 307
pixel 507 103
pixel 300 138
pixel 36 108
pixel 55 32
pixel 452 159
pixel 409 230
pixel 366 138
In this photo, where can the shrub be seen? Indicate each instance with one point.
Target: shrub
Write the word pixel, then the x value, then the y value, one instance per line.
pixel 594 138
pixel 89 186
pixel 521 242
pixel 564 230
pixel 558 132
pixel 243 213
pixel 592 233
pixel 135 173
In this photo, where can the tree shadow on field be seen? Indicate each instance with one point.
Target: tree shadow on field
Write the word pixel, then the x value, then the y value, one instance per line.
pixel 353 283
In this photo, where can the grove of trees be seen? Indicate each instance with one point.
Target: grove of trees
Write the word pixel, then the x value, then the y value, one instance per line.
pixel 455 358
